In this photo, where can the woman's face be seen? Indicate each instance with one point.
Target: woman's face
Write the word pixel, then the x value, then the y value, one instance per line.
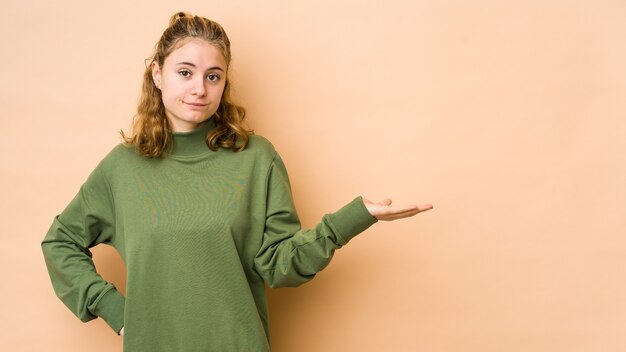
pixel 191 81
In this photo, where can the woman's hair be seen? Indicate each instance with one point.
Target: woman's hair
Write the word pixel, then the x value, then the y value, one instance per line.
pixel 150 132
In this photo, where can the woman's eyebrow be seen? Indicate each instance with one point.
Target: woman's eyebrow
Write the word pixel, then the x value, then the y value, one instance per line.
pixel 194 66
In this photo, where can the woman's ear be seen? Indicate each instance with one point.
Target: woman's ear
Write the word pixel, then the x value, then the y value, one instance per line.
pixel 156 74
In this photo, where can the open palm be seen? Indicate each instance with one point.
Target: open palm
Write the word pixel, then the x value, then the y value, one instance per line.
pixel 385 211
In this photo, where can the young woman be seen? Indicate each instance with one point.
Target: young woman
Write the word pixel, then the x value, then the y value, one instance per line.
pixel 200 210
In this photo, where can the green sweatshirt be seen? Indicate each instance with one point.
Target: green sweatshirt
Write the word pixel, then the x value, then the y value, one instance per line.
pixel 200 232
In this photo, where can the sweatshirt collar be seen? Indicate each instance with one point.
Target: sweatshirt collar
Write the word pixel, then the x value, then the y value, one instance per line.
pixel 193 142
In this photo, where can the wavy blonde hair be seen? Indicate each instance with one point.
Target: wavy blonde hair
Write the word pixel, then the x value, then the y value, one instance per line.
pixel 150 131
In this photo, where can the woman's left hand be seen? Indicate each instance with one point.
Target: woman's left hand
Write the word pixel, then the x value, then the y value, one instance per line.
pixel 384 211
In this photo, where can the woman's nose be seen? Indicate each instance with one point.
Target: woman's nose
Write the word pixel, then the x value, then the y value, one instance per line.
pixel 199 87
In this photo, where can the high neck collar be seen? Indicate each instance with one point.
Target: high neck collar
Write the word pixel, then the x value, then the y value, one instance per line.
pixel 193 142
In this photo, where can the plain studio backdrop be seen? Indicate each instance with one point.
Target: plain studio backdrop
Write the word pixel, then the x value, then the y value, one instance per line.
pixel 508 116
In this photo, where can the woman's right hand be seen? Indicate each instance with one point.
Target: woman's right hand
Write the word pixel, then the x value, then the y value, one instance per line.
pixel 122 331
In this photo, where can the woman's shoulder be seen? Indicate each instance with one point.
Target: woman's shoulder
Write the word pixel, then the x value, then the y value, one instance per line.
pixel 121 151
pixel 118 155
pixel 261 145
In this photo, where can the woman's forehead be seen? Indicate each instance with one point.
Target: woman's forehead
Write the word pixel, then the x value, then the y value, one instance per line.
pixel 197 49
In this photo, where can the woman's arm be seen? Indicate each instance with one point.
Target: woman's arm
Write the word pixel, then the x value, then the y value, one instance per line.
pixel 87 221
pixel 290 255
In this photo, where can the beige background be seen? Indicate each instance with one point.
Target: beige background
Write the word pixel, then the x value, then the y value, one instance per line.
pixel 509 116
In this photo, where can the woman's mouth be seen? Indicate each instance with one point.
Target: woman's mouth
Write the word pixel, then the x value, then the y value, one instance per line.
pixel 195 106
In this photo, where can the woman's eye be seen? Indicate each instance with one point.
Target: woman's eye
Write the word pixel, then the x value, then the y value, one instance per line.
pixel 213 77
pixel 184 73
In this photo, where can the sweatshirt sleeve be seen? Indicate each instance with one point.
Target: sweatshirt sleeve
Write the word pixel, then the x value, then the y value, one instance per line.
pixel 87 221
pixel 289 255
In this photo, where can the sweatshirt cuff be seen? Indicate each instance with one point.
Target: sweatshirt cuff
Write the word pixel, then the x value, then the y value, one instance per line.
pixel 351 220
pixel 111 308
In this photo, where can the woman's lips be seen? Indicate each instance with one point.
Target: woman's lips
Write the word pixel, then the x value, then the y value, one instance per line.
pixel 196 105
